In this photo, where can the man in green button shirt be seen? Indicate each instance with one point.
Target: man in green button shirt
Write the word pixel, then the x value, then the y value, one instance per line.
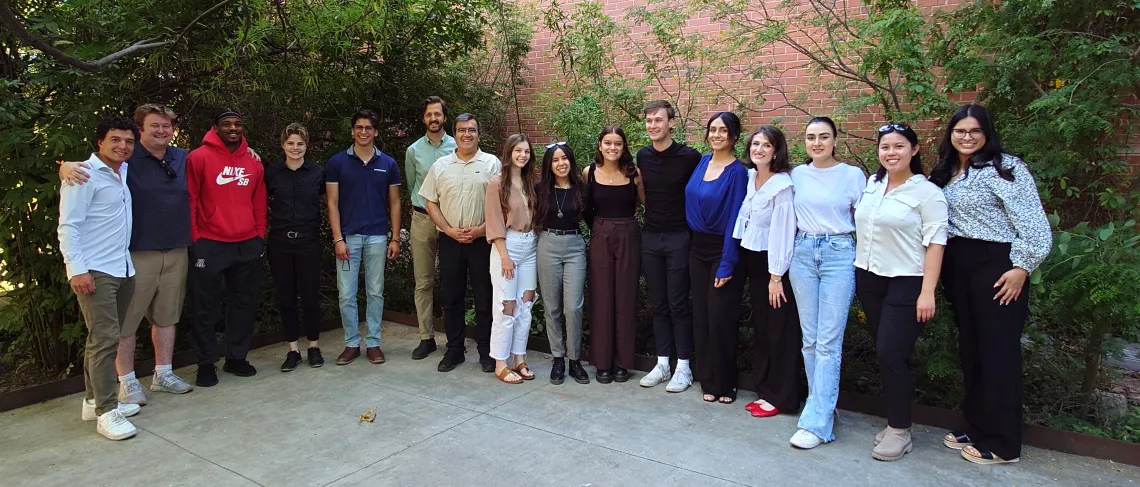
pixel 421 155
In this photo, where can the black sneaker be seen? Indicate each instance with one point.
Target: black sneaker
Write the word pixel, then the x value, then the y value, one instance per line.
pixel 451 358
pixel 207 376
pixel 558 371
pixel 620 374
pixel 241 368
pixel 426 348
pixel 292 359
pixel 487 363
pixel 315 357
pixel 578 373
pixel 605 376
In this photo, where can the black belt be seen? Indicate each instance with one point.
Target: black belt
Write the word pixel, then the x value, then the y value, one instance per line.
pixel 296 235
pixel 419 210
pixel 556 231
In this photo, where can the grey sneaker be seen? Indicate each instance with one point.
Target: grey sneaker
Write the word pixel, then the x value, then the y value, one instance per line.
pixel 682 379
pixel 131 392
pixel 168 382
pixel 659 374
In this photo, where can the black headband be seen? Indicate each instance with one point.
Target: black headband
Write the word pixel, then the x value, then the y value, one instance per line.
pixel 226 114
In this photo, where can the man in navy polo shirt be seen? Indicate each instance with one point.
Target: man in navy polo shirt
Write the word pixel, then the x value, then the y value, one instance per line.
pixel 363 189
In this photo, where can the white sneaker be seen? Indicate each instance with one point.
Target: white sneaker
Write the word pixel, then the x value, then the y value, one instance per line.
pixel 131 392
pixel 127 410
pixel 168 382
pixel 805 440
pixel 659 374
pixel 114 426
pixel 681 380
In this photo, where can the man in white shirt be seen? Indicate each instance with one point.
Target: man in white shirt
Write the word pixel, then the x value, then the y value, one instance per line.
pixel 94 236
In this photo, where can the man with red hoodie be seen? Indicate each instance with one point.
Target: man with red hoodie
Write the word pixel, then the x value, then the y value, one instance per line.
pixel 227 224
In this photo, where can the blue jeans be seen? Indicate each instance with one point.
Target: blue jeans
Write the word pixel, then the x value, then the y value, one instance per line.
pixel 374 250
pixel 823 280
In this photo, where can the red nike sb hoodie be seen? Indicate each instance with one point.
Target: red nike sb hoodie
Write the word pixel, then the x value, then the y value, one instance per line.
pixel 227 192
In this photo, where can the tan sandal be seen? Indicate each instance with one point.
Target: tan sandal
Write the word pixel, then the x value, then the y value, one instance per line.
pixel 502 375
pixel 528 375
pixel 973 454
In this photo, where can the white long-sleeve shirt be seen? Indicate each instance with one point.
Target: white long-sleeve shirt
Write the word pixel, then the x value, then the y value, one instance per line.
pixel 767 220
pixel 95 223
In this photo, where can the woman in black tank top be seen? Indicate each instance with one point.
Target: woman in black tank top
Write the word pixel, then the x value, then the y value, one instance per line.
pixel 614 259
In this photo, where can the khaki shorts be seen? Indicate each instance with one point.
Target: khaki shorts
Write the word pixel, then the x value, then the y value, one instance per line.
pixel 160 289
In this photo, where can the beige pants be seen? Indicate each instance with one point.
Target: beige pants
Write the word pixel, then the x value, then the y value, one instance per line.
pixel 425 243
pixel 103 313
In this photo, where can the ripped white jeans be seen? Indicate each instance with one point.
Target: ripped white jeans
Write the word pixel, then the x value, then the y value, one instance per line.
pixel 509 333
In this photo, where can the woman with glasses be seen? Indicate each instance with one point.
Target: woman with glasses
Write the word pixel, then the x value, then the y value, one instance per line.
pixel 613 191
pixel 998 235
pixel 296 187
pixel 559 201
pixel 822 272
pixel 901 223
pixel 766 229
pixel 713 197
pixel 509 207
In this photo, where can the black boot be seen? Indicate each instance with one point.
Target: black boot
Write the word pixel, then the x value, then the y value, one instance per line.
pixel 558 371
pixel 425 348
pixel 578 373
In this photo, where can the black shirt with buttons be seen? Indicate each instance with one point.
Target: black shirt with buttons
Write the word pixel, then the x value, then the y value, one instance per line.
pixel 295 197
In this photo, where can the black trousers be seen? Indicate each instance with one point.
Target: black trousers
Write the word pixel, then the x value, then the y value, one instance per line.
pixel 229 270
pixel 891 306
pixel 777 363
pixel 459 262
pixel 989 343
pixel 716 316
pixel 665 262
pixel 296 267
pixel 613 261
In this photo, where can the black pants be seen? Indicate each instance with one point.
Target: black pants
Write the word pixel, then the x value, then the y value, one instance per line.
pixel 776 359
pixel 989 343
pixel 457 263
pixel 891 306
pixel 716 316
pixel 665 262
pixel 613 262
pixel 237 265
pixel 296 267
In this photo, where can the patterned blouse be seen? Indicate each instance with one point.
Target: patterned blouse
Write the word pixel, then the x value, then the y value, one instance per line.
pixel 984 206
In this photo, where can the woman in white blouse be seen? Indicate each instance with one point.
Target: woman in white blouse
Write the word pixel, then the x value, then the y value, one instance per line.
pixel 766 228
pixel 901 224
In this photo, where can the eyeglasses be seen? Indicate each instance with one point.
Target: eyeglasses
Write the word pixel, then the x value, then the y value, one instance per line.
pixel 165 166
pixel 362 128
pixel 902 127
pixel 555 144
pixel 973 133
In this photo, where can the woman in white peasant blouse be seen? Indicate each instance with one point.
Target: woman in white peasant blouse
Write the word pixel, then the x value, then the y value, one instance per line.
pixel 766 228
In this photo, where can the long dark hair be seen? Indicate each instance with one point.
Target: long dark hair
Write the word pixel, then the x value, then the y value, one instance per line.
pixel 528 174
pixel 990 153
pixel 625 162
pixel 907 132
pixel 546 185
pixel 774 136
pixel 731 122
pixel 834 132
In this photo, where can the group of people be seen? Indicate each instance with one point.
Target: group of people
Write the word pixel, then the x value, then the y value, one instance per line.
pixel 506 229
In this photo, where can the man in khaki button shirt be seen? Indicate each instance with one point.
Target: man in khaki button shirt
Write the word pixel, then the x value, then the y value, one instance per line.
pixel 454 191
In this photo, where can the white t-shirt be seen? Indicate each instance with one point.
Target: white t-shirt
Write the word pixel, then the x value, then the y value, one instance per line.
pixel 825 199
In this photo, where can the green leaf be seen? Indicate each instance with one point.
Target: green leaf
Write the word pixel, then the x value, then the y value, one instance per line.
pixel 1105 233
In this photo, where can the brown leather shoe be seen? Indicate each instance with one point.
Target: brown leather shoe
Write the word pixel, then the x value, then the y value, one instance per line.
pixel 375 355
pixel 348 355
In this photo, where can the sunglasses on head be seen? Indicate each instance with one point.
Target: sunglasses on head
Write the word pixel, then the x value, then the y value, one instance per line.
pixel 554 144
pixel 894 126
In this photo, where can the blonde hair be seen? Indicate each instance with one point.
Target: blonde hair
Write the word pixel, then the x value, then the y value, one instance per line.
pixel 153 109
pixel 295 129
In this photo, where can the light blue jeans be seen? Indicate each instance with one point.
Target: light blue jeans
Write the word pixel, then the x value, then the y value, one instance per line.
pixel 374 250
pixel 823 280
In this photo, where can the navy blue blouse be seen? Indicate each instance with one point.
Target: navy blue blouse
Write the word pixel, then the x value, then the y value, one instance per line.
pixel 712 206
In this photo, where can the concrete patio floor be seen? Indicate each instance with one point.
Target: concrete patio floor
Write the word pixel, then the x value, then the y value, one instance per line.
pixel 466 428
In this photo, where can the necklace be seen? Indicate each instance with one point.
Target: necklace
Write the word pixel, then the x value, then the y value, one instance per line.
pixel 559 203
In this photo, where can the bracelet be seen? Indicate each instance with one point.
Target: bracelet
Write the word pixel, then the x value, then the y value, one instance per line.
pixel 777 280
pixel 339 240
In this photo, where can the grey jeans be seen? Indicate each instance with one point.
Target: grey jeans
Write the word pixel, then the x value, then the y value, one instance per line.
pixel 104 312
pixel 562 281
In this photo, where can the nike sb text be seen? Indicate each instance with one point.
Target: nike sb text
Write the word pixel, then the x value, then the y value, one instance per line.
pixel 230 174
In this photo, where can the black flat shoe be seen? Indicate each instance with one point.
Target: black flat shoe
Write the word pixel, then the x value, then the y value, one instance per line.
pixel 578 373
pixel 450 360
pixel 487 363
pixel 315 357
pixel 605 376
pixel 425 348
pixel 558 371
pixel 620 374
pixel 292 360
